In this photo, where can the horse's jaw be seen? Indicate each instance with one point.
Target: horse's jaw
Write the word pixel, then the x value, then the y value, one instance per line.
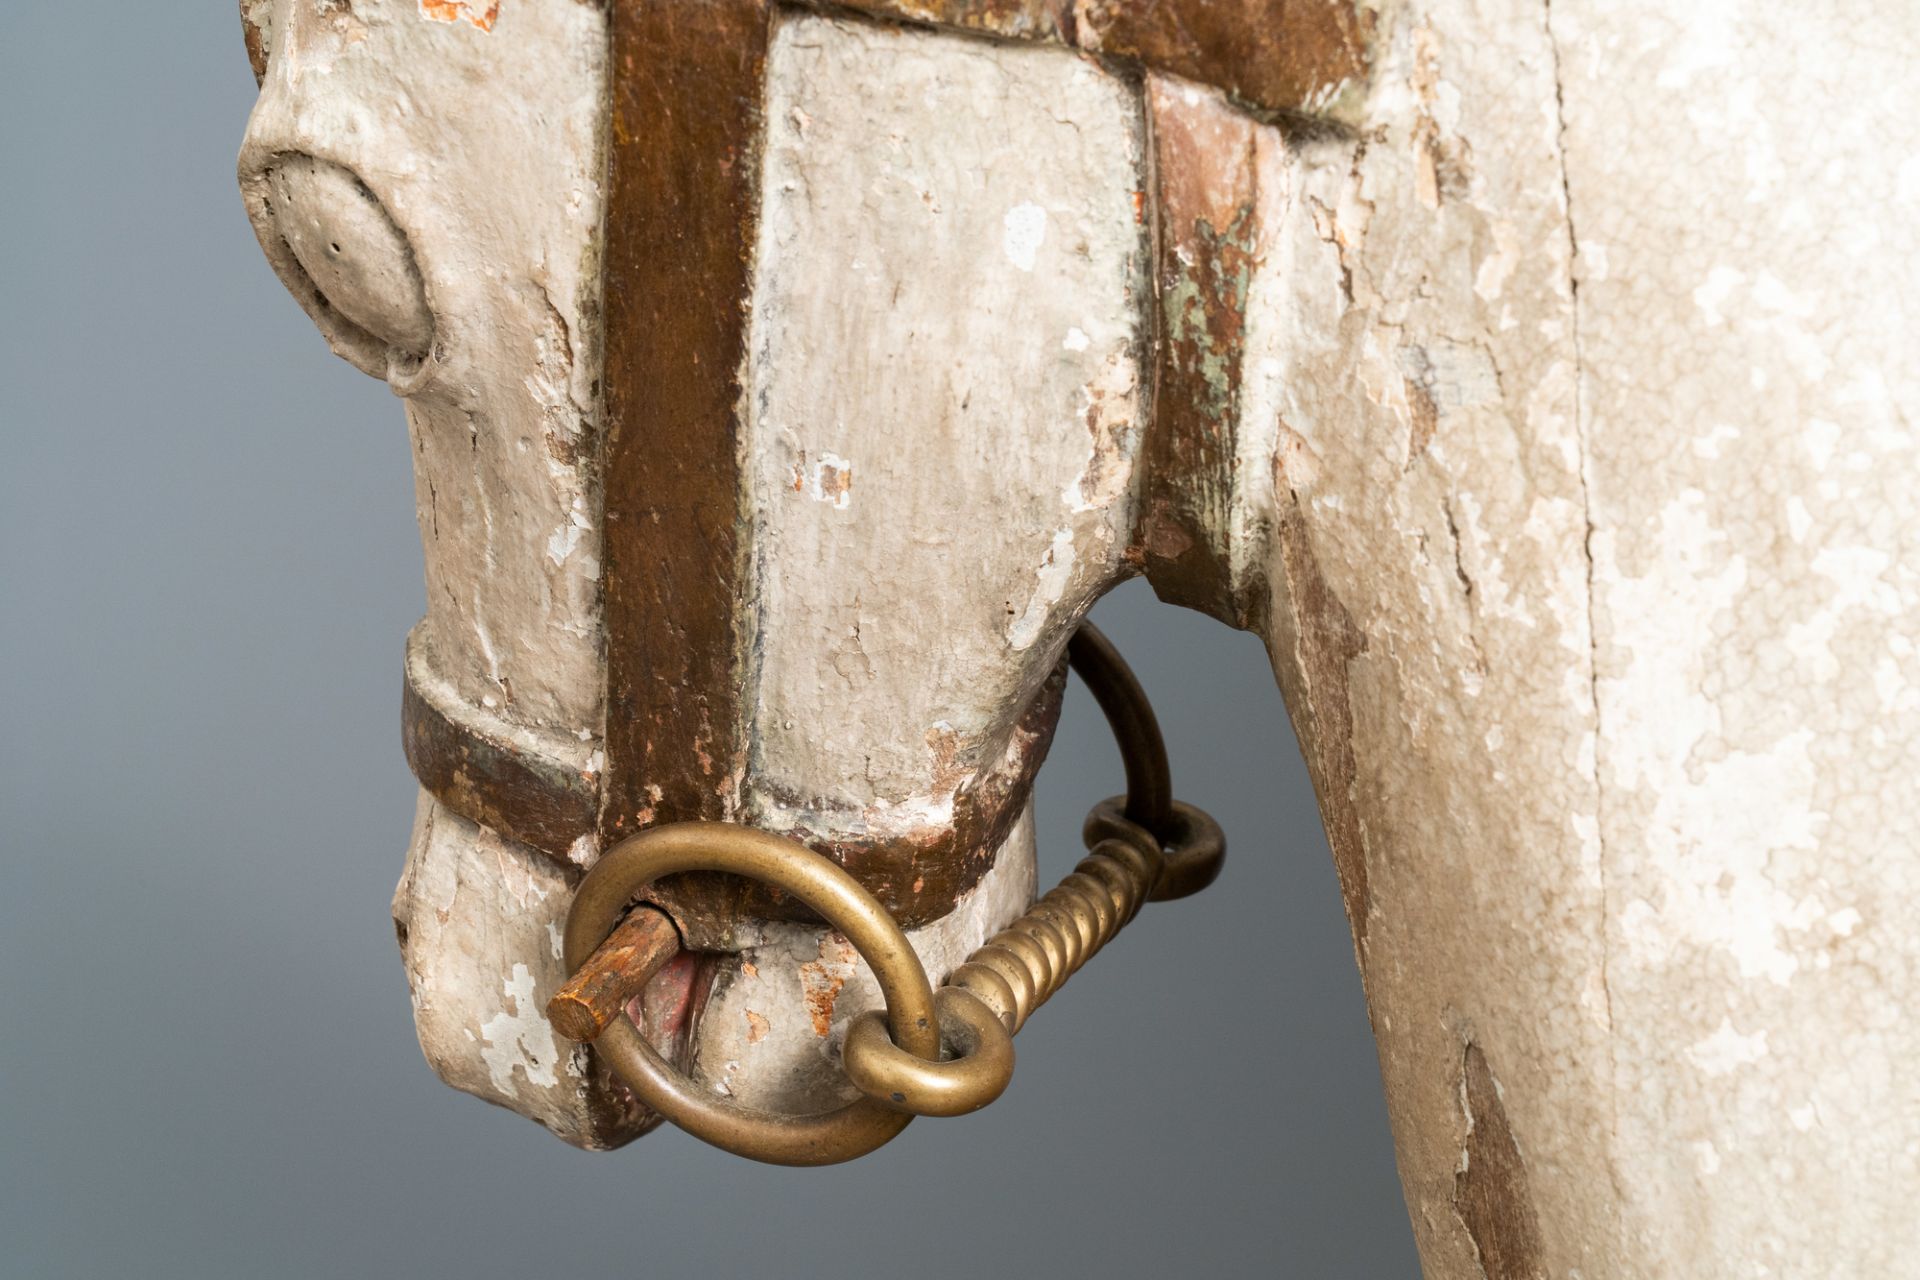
pixel 925 504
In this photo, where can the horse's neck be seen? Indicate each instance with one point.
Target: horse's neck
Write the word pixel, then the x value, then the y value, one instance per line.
pixel 1597 653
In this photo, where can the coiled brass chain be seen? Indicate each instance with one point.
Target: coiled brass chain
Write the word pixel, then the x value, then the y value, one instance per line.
pixel 931 1053
pixel 991 996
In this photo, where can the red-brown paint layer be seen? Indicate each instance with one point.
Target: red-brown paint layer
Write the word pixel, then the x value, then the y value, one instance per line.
pixel 536 801
pixel 684 137
pixel 1214 183
pixel 1293 56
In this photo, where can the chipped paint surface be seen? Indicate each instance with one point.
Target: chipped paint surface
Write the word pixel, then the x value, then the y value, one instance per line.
pixel 518 1039
pixel 480 922
pixel 940 216
pixel 1050 583
pixel 1222 182
pixel 1024 231
pixel 1593 434
pixel 479 918
pixel 822 978
pixel 1423 544
pixel 482 159
pixel 1748 407
pixel 481 13
pixel 500 408
pixel 1492 1190
pixel 827 478
pixel 1561 419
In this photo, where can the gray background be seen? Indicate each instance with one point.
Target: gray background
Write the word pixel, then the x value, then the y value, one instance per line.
pixel 207 1062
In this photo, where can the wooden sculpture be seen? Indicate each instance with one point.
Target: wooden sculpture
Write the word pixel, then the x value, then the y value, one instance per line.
pixel 787 381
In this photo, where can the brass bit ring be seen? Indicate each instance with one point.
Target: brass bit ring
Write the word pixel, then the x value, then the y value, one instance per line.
pixel 624 873
pixel 1143 846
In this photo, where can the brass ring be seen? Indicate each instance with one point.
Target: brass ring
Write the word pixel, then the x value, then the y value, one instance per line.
pixel 1136 730
pixel 977 1073
pixel 625 871
pixel 1192 844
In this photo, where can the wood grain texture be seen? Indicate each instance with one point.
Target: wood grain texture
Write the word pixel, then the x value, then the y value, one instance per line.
pixel 1315 642
pixel 1490 1193
pixel 1215 177
pixel 617 972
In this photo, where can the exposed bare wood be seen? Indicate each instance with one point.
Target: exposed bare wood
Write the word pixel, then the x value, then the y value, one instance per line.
pixel 257 34
pixel 1215 172
pixel 1550 423
pixel 476 916
pixel 1491 1191
pixel 637 949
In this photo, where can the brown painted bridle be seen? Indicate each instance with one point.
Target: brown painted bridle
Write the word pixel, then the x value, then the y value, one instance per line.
pixel 685 130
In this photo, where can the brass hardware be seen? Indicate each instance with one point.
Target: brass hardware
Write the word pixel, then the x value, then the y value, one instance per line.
pixel 979 1065
pixel 1130 718
pixel 933 1053
pixel 1007 978
pixel 625 870
pixel 1192 843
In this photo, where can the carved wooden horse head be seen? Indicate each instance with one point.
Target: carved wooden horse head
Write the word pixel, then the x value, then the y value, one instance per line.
pixel 771 439
pixel 786 383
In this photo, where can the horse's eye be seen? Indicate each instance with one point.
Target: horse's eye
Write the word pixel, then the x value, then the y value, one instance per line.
pixel 357 259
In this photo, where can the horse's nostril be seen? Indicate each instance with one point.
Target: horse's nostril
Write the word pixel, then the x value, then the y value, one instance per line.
pixel 356 257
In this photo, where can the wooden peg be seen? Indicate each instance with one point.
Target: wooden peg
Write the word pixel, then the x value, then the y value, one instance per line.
pixel 636 950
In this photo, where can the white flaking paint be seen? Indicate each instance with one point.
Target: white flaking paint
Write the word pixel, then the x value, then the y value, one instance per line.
pixel 478 918
pixel 1662 920
pixel 519 1039
pixel 1624 573
pixel 482 920
pixel 914 586
pixel 1050 583
pixel 1024 230
pixel 1726 1050
pixel 830 480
